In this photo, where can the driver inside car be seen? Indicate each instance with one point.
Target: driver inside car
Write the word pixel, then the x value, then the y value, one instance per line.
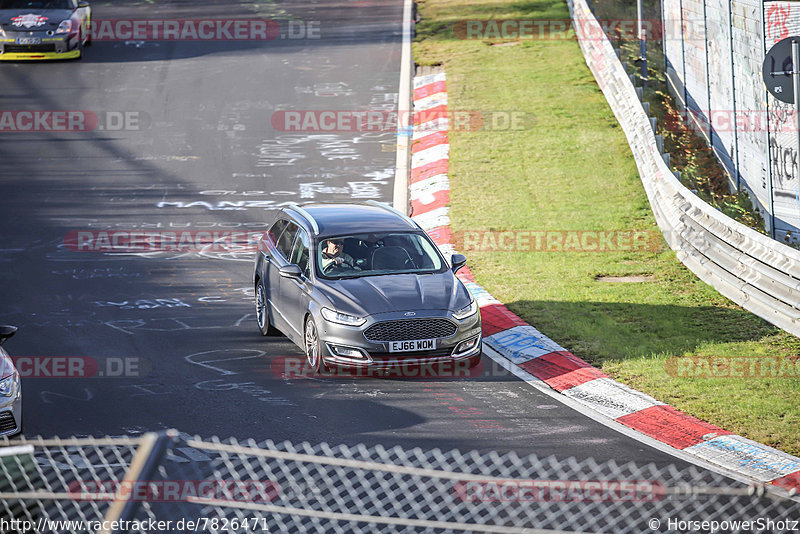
pixel 333 255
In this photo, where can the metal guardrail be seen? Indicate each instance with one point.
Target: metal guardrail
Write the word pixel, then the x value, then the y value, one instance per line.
pixel 758 273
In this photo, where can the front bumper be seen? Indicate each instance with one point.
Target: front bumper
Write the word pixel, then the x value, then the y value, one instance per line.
pixel 50 47
pixel 376 355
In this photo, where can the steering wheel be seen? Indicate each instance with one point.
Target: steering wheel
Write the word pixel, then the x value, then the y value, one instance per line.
pixel 334 267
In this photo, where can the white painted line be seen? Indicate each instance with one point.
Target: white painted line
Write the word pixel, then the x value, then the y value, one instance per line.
pixel 483 297
pixel 430 101
pixel 611 398
pixel 757 460
pixel 523 343
pixel 622 429
pixel 422 81
pixel 433 218
pixel 429 155
pixel 424 190
pixel 400 192
pixel 427 128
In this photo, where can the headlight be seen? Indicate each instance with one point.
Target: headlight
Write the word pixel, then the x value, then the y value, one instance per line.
pixel 7 386
pixel 64 27
pixel 466 311
pixel 2 32
pixel 342 318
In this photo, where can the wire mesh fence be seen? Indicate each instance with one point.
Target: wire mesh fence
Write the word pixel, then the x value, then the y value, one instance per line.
pixel 170 482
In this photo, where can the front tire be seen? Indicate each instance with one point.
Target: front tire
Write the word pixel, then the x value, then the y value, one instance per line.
pixel 262 311
pixel 313 346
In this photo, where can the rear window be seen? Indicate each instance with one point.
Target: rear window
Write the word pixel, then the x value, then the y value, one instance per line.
pixel 286 239
pixel 300 253
pixel 275 231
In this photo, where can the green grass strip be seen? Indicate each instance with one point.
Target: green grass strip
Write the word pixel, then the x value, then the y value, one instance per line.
pixel 572 170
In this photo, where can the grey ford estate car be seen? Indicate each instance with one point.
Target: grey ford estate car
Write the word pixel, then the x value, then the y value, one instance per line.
pixel 362 285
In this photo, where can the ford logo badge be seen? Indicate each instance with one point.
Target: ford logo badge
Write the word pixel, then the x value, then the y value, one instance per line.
pixel 410 314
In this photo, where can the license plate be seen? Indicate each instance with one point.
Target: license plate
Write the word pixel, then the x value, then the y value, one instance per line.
pixel 408 346
pixel 29 40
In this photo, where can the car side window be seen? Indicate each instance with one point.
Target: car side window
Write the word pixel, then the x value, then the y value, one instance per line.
pixel 275 231
pixel 300 252
pixel 286 239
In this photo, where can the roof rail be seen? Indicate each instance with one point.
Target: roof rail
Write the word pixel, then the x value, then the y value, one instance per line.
pixel 307 216
pixel 388 207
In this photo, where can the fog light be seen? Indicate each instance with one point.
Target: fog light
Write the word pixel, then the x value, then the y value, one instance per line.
pixel 466 346
pixel 347 352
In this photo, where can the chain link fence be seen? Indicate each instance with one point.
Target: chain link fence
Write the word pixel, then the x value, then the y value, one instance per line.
pixel 191 485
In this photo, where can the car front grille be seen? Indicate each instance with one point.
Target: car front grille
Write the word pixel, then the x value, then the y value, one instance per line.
pixel 409 330
pixel 13 48
pixel 7 422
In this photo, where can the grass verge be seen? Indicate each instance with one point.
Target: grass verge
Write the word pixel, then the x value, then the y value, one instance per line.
pixel 573 170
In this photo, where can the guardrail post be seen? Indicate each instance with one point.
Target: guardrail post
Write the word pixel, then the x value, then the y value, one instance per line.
pixel 642 41
pixel 708 78
pixel 735 158
pixel 148 457
pixel 771 207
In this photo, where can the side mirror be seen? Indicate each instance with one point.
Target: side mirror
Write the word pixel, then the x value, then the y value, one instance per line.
pixel 457 261
pixel 6 332
pixel 291 271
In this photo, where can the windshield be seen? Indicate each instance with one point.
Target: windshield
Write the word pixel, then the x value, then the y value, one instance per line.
pixel 36 4
pixel 376 254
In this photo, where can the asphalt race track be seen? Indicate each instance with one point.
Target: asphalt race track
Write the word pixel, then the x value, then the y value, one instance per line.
pixel 199 151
